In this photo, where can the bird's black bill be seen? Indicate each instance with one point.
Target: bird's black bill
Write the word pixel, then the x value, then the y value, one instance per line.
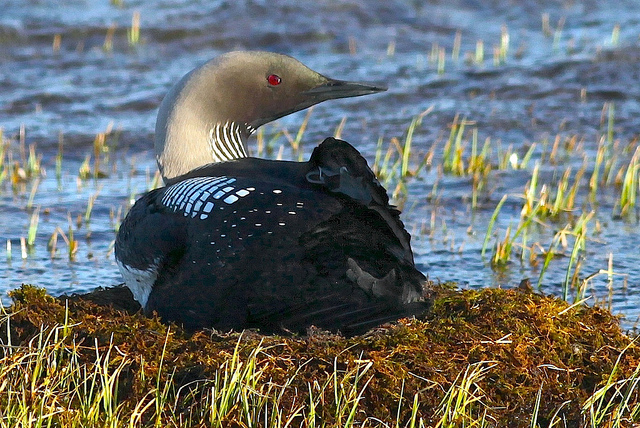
pixel 329 90
pixel 342 89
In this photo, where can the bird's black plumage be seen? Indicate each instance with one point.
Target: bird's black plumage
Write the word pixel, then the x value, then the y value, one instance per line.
pixel 274 245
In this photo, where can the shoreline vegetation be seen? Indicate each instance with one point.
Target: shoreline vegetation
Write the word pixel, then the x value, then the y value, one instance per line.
pixel 485 358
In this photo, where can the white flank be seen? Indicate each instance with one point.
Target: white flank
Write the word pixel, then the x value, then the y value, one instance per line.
pixel 139 281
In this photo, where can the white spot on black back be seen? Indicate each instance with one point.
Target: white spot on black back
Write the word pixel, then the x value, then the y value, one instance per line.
pixel 230 199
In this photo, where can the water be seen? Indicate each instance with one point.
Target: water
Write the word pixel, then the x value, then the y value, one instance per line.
pixel 538 93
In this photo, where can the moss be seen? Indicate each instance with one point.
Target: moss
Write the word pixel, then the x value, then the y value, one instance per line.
pixel 533 340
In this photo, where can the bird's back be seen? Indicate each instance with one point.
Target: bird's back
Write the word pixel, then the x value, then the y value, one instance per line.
pixel 278 246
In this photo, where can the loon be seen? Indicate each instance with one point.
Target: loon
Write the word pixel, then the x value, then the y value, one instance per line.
pixel 234 242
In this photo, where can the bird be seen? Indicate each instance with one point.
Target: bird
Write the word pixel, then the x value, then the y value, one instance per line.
pixel 233 242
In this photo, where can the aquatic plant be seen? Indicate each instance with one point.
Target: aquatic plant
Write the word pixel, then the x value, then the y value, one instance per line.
pixel 133 33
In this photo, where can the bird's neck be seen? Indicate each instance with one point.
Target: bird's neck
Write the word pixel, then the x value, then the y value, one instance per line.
pixel 228 140
pixel 191 144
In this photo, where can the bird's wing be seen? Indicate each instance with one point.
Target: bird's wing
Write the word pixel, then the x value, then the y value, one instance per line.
pixel 339 168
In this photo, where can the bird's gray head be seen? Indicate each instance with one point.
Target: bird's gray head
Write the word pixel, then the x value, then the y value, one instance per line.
pixel 210 113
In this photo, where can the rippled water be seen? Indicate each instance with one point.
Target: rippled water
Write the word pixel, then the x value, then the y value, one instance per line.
pixel 550 85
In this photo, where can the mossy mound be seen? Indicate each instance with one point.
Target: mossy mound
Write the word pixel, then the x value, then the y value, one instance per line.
pixel 503 349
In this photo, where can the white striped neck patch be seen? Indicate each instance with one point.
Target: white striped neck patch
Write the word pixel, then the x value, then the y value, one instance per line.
pixel 226 141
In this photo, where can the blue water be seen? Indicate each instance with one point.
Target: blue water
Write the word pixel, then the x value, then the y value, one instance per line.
pixel 81 89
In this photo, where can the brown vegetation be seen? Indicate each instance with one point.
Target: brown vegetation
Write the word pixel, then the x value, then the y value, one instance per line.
pixel 499 347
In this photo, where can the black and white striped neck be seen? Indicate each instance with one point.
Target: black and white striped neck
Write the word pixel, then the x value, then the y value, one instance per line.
pixel 227 141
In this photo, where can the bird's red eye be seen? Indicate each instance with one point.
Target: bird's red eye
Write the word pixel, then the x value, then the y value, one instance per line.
pixel 274 80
